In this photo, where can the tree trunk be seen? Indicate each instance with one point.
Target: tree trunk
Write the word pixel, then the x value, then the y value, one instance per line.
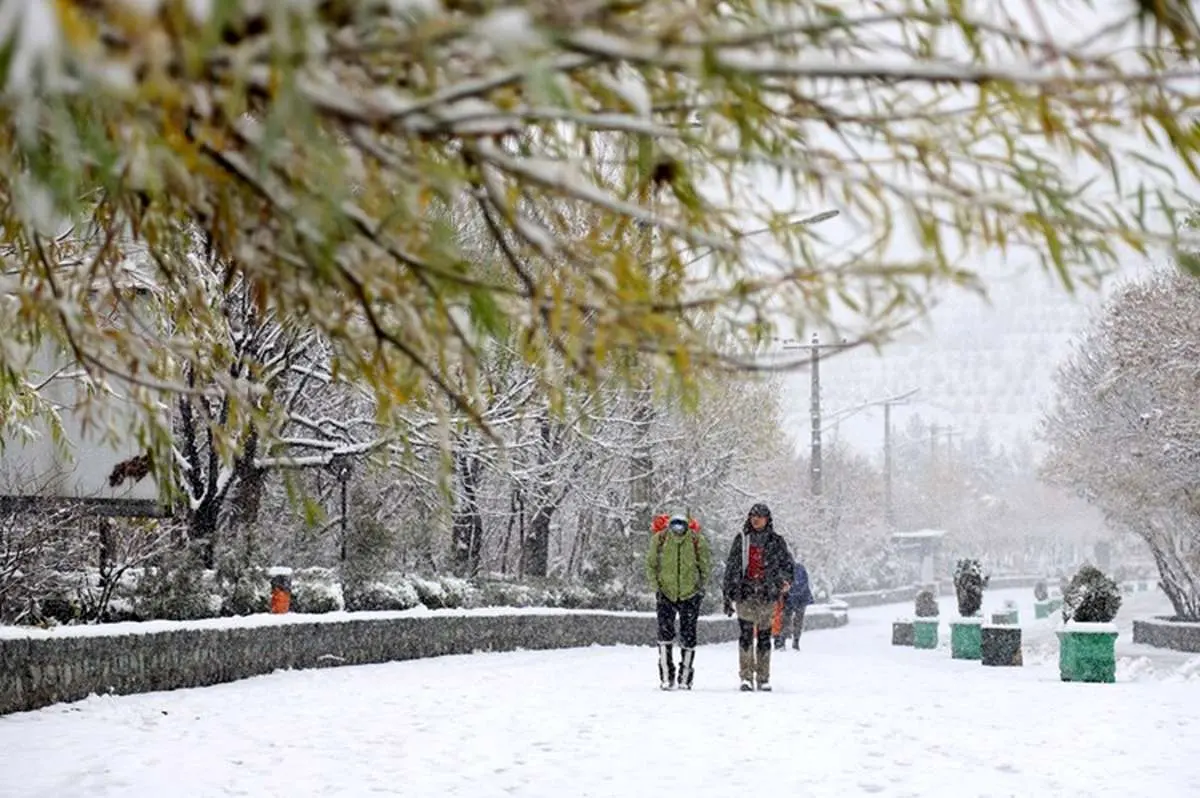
pixel 641 464
pixel 202 528
pixel 1176 580
pixel 514 509
pixel 467 522
pixel 251 482
pixel 535 554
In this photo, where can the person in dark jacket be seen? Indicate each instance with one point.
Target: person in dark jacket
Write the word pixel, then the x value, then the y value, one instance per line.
pixel 757 573
pixel 799 596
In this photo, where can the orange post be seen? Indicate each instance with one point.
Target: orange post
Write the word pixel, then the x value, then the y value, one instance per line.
pixel 281 600
pixel 281 593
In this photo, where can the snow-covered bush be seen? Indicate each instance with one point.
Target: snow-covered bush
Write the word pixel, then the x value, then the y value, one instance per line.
pixel 926 605
pixel 969 583
pixel 457 592
pixel 244 590
pixel 431 592
pixel 1091 597
pixel 316 590
pixel 575 597
pixel 511 594
pixel 176 588
pixel 392 592
pixel 1040 591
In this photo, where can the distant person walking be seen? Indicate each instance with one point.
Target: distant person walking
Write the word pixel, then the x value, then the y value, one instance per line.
pixel 795 604
pixel 678 564
pixel 757 572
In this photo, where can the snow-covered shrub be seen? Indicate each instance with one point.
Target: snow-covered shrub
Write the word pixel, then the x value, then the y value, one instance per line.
pixel 431 592
pixel 969 583
pixel 316 590
pixel 509 594
pixel 575 597
pixel 1091 597
pixel 457 592
pixel 627 601
pixel 1040 591
pixel 176 588
pixel 926 605
pixel 390 593
pixel 244 590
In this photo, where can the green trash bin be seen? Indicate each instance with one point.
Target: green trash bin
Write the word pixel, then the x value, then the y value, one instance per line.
pixel 925 633
pixel 966 640
pixel 1087 652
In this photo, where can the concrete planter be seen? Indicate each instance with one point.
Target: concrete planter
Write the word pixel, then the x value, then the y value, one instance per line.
pixel 1087 652
pixel 902 633
pixel 925 633
pixel 1006 618
pixel 966 638
pixel 1041 609
pixel 1000 646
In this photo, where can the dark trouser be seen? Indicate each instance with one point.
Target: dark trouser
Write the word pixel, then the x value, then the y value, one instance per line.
pixel 793 622
pixel 688 611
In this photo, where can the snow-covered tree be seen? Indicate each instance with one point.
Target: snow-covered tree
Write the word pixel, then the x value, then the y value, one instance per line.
pixel 314 144
pixel 1125 428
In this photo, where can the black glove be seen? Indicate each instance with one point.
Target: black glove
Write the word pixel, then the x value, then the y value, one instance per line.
pixel 728 607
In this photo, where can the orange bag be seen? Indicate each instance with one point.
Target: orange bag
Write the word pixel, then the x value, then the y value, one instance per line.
pixel 777 619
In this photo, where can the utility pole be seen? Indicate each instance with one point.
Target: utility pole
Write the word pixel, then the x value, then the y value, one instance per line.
pixel 815 347
pixel 815 416
pixel 889 515
pixel 889 512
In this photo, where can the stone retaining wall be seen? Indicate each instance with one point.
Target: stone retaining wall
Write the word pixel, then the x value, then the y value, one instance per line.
pixel 75 662
pixel 1165 633
pixel 897 595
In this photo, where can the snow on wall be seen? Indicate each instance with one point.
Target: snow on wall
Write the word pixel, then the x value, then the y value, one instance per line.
pixel 1165 633
pixel 37 670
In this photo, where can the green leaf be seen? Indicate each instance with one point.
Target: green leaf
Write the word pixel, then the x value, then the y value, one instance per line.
pixel 486 314
pixel 1189 262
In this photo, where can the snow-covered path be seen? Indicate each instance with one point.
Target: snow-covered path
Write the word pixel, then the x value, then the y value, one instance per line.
pixel 850 716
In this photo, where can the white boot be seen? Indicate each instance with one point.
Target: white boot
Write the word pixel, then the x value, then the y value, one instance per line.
pixel 686 659
pixel 666 666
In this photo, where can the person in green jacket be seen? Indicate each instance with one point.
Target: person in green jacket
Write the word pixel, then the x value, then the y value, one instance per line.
pixel 678 563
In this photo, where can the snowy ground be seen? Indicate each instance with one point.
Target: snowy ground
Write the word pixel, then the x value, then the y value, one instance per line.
pixel 851 715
